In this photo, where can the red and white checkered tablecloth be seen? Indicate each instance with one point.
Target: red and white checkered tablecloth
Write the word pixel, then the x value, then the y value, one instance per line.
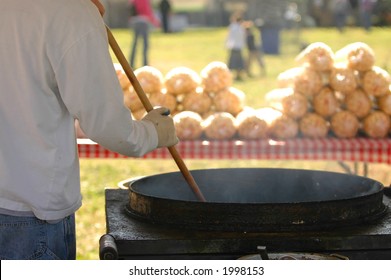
pixel 358 149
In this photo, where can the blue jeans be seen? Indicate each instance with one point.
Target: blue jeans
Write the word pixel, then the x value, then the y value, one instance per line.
pixel 141 32
pixel 28 238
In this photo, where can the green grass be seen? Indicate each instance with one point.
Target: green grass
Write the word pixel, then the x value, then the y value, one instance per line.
pixel 195 49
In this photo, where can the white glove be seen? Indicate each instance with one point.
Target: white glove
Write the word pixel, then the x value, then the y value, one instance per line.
pixel 164 125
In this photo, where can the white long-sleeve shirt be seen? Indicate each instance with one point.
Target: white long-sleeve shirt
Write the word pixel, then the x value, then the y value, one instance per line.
pixel 54 67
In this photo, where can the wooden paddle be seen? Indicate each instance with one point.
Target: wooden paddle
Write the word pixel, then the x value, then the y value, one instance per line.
pixel 148 106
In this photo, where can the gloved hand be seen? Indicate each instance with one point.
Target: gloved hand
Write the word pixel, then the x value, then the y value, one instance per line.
pixel 164 125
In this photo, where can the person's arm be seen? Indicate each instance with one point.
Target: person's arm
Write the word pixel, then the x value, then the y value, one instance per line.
pixel 90 90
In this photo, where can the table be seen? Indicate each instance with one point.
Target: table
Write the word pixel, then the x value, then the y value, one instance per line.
pixel 354 150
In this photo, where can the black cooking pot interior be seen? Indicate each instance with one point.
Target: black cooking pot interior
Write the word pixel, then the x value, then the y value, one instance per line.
pixel 258 185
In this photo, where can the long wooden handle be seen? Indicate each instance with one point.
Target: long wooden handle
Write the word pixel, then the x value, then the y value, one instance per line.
pixel 148 106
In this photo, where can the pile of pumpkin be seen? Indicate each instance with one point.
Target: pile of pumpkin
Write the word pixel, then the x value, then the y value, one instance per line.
pixel 342 94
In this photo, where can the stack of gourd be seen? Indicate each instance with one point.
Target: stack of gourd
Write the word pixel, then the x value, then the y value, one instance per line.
pixel 342 94
pixel 204 104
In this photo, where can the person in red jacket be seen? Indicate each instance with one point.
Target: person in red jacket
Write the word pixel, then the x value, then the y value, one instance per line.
pixel 141 21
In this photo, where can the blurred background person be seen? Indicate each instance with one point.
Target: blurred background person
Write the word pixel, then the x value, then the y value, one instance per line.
pixel 253 50
pixel 165 12
pixel 366 8
pixel 341 9
pixel 141 20
pixel 235 43
pixel 354 12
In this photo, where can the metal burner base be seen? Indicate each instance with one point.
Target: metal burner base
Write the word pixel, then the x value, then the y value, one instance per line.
pixel 135 239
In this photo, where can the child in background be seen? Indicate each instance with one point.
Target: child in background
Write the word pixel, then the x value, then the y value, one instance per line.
pixel 235 43
pixel 254 51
